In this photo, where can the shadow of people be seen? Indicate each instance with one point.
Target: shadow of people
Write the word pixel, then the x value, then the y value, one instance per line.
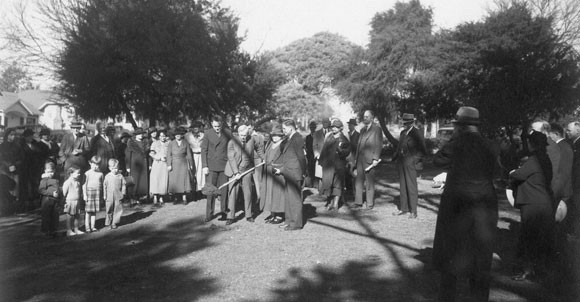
pixel 138 264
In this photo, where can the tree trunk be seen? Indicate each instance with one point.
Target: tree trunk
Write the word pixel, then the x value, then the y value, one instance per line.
pixel 388 134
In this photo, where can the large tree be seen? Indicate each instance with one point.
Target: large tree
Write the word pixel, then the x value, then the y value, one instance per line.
pixel 400 43
pixel 15 78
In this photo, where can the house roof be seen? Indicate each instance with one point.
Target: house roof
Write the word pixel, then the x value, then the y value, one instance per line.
pixel 32 100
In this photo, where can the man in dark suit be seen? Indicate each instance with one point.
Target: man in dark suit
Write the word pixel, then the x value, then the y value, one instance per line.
pixel 75 148
pixel 293 168
pixel 553 151
pixel 310 159
pixel 564 190
pixel 410 150
pixel 353 137
pixel 368 154
pixel 102 146
pixel 240 159
pixel 317 143
pixel 573 133
pixel 214 157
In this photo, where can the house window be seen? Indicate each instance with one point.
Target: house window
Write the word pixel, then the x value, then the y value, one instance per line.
pixel 30 121
pixel 21 121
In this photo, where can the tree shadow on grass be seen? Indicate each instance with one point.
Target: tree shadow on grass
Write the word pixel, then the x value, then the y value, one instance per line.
pixel 140 264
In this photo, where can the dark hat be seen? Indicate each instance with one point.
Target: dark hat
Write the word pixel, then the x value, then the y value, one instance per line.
pixel 44 131
pixel 196 124
pixel 152 129
pixel 110 129
pixel 125 134
pixel 312 124
pixel 27 132
pixel 325 123
pixel 408 118
pixel 277 130
pixel 352 121
pixel 179 131
pixel 467 116
pixel 138 131
pixel 336 123
pixel 75 125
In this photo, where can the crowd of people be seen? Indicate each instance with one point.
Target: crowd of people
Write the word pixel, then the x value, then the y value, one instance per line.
pixel 272 166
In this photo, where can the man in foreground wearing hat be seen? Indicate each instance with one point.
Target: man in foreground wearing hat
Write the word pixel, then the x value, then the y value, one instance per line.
pixel 410 150
pixel 467 218
pixel 102 146
pixel 75 148
pixel 368 154
pixel 240 159
pixel 353 136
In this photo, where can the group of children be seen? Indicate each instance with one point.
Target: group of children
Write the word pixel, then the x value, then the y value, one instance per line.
pixel 81 197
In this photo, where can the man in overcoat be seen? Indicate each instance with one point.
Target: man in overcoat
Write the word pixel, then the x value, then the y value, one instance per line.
pixel 75 148
pixel 214 157
pixel 293 169
pixel 368 154
pixel 409 154
pixel 240 159
pixel 102 145
pixel 573 133
pixel 353 136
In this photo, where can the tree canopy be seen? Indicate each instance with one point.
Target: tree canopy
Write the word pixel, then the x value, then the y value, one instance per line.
pixel 160 59
pixel 14 78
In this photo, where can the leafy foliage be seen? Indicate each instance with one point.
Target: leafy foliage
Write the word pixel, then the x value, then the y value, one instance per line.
pixel 15 78
pixel 159 59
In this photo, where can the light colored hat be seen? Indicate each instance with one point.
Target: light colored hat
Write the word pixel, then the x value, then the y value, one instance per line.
pixel 408 117
pixel 467 116
pixel 336 123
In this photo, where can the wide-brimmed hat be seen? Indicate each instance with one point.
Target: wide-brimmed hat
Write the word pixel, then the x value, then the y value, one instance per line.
pixel 408 118
pixel 138 131
pixel 76 125
pixel 125 135
pixel 352 121
pixel 196 124
pixel 336 123
pixel 467 116
pixel 276 130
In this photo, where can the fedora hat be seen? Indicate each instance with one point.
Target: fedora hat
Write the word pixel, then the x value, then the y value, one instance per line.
pixel 408 117
pixel 352 121
pixel 179 131
pixel 467 116
pixel 138 131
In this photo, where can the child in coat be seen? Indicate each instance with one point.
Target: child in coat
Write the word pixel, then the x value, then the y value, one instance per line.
pixel 49 203
pixel 114 191
pixel 72 193
pixel 92 190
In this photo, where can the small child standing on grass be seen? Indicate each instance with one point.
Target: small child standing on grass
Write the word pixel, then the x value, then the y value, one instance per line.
pixel 72 193
pixel 114 189
pixel 49 201
pixel 92 190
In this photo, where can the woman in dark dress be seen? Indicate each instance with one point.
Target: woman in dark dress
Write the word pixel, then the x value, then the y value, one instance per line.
pixel 467 219
pixel 534 198
pixel 333 161
pixel 272 195
pixel 10 167
pixel 137 165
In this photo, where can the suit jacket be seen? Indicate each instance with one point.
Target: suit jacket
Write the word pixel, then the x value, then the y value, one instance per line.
pixel 239 159
pixel 564 189
pixel 293 159
pixel 214 150
pixel 68 144
pixel 553 151
pixel 47 187
pixel 353 139
pixel 318 141
pixel 259 147
pixel 532 188
pixel 410 144
pixel 369 145
pixel 103 149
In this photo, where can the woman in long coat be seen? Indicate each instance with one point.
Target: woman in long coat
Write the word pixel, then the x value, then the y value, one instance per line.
pixel 137 165
pixel 272 188
pixel 179 165
pixel 159 174
pixel 534 198
pixel 11 157
pixel 467 219
pixel 333 161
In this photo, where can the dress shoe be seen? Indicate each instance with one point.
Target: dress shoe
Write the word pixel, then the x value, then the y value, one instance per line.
pixel 291 228
pixel 250 219
pixel 276 220
pixel 269 218
pixel 283 225
pixel 223 217
pixel 399 213
pixel 412 215
pixel 229 221
pixel 522 276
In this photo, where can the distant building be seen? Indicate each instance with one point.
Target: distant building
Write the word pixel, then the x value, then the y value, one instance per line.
pixel 32 108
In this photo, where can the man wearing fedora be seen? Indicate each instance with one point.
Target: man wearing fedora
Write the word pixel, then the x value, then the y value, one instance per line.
pixel 353 136
pixel 467 219
pixel 75 148
pixel 368 154
pixel 409 154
